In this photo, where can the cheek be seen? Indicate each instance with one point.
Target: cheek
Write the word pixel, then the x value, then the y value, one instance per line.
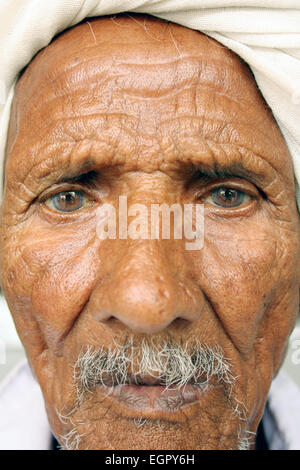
pixel 243 273
pixel 52 273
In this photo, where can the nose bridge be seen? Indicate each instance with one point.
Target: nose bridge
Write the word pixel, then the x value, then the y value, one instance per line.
pixel 145 283
pixel 142 289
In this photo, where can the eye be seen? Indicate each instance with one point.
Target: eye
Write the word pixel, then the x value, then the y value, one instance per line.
pixel 66 201
pixel 228 197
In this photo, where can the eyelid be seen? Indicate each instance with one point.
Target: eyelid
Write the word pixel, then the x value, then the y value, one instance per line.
pixel 61 188
pixel 237 183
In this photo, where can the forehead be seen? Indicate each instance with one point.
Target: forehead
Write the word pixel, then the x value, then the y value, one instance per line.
pixel 151 60
pixel 144 77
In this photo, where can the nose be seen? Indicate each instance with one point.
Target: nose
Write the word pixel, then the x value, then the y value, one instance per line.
pixel 145 290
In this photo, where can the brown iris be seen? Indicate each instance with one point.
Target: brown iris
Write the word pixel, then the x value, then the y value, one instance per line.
pixel 228 197
pixel 68 201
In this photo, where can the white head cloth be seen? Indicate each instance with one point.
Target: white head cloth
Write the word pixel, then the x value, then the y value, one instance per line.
pixel 265 33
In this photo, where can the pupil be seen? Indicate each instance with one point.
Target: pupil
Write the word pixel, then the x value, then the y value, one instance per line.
pixel 229 194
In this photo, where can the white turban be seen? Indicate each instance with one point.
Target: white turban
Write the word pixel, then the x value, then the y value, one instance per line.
pixel 265 33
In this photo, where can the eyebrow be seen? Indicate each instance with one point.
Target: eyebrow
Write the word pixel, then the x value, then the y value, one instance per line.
pixel 87 178
pixel 201 171
pixel 89 169
pixel 198 172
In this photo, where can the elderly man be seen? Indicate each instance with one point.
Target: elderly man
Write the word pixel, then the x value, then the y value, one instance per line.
pixel 141 343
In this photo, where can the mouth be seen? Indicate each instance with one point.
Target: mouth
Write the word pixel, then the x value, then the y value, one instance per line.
pixel 146 397
pixel 165 382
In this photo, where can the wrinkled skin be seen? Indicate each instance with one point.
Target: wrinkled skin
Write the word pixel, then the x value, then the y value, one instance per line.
pixel 143 109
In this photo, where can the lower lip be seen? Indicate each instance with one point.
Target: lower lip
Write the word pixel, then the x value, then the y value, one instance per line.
pixel 153 401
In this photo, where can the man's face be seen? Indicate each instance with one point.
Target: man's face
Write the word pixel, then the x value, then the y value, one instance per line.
pixel 159 114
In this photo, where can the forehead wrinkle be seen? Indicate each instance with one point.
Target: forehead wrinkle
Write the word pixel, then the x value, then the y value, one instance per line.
pixel 192 98
pixel 215 129
pixel 38 86
pixel 143 82
pixel 63 116
pixel 56 127
pixel 55 99
pixel 139 50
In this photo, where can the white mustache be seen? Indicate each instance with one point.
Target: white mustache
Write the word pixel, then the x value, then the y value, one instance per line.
pixel 166 363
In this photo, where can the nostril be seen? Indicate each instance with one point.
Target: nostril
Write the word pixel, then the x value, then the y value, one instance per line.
pixel 123 323
pixel 115 323
pixel 180 323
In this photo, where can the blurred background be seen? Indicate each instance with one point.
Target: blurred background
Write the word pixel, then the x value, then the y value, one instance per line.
pixel 12 352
